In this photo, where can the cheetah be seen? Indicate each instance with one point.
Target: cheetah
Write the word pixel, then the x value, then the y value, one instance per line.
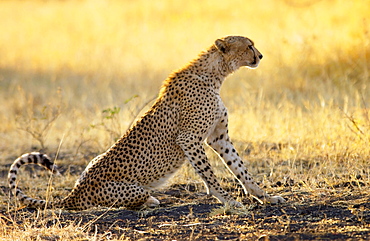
pixel 187 116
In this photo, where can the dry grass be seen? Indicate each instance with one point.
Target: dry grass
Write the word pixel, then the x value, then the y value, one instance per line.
pixel 302 115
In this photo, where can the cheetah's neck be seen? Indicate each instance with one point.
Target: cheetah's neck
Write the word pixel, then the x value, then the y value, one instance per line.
pixel 211 62
pixel 210 66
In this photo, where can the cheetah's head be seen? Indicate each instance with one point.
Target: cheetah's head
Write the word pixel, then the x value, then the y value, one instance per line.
pixel 238 51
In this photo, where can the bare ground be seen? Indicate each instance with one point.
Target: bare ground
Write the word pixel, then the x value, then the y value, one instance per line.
pixel 336 213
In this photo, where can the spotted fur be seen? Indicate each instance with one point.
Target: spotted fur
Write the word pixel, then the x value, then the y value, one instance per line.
pixel 188 113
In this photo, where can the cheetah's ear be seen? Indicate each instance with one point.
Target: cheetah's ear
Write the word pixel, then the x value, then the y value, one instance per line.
pixel 222 45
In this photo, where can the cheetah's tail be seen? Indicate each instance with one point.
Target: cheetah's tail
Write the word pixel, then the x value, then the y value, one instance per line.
pixel 29 158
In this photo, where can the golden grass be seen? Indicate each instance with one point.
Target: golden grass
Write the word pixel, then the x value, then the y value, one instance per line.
pixel 310 93
pixel 43 225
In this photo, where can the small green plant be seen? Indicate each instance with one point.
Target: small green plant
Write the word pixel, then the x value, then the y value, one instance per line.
pixel 111 115
pixel 110 121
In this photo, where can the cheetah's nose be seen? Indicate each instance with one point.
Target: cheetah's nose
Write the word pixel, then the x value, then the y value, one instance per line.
pixel 261 56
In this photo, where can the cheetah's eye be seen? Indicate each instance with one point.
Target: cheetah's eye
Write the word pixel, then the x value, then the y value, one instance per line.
pixel 250 47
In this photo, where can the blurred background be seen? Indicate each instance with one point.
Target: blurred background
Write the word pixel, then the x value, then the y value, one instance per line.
pixel 76 73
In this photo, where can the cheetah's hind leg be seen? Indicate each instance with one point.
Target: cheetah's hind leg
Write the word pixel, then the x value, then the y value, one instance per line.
pixel 120 194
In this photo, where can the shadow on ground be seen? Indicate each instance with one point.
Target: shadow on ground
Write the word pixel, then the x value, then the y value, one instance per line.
pixel 187 214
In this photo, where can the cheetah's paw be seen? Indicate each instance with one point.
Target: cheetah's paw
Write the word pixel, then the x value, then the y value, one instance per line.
pixel 152 202
pixel 275 200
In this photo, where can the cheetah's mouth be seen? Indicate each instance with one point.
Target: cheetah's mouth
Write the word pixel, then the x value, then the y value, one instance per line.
pixel 254 64
pixel 254 60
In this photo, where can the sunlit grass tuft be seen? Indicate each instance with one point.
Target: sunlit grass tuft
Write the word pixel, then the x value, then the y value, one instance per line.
pixel 45 225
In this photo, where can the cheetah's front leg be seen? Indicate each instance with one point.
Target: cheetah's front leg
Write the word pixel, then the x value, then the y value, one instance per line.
pixel 219 140
pixel 196 155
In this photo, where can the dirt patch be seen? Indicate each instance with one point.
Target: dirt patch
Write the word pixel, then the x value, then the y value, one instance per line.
pixel 187 214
